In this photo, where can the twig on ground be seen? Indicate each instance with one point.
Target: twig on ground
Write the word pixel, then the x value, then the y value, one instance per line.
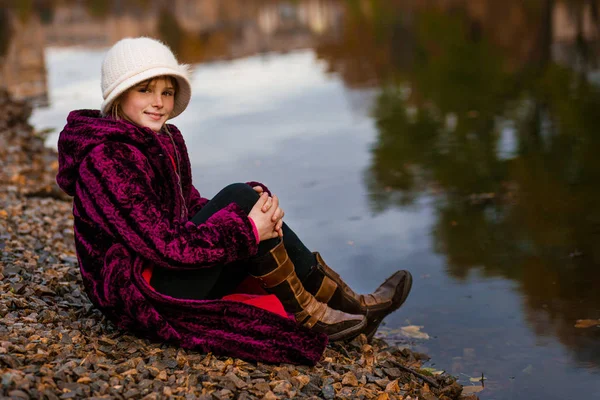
pixel 341 349
pixel 415 373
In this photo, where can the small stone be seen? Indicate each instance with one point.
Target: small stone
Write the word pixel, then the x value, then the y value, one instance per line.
pixel 310 389
pixel 453 391
pixel 393 373
pixel 283 374
pixel 430 396
pixel 132 371
pixel 153 371
pixel 382 383
pixel 270 396
pixel 262 387
pixel 18 394
pixel 346 393
pixel 300 381
pixel 283 387
pixel 349 379
pixel 131 393
pixel 239 383
pixel 224 394
pixel 328 392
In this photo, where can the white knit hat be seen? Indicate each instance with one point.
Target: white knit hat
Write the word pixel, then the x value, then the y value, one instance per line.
pixel 134 60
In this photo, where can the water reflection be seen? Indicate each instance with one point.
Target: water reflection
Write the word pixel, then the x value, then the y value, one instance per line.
pixel 453 90
pixel 22 65
pixel 197 30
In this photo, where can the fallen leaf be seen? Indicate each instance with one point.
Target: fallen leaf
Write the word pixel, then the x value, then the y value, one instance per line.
pixel 414 331
pixel 478 379
pixel 432 371
pixel 467 390
pixel 587 323
pixel 392 387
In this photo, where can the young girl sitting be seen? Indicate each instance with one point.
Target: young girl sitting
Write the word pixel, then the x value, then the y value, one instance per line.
pixel 160 260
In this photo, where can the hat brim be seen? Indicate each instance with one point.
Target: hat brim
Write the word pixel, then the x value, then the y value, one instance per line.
pixel 182 97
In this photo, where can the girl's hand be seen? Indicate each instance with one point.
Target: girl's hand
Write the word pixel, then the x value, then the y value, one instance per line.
pixel 277 217
pixel 268 204
pixel 267 222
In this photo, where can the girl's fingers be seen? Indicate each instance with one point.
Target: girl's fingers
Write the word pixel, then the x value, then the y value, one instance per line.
pixel 274 204
pixel 277 233
pixel 277 215
pixel 264 197
pixel 267 205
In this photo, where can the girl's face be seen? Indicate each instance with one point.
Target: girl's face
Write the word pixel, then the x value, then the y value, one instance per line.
pixel 149 104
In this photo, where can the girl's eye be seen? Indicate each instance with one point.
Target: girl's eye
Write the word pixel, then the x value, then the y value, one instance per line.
pixel 169 93
pixel 144 90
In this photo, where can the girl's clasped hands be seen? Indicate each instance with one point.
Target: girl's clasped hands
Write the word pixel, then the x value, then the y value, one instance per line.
pixel 267 215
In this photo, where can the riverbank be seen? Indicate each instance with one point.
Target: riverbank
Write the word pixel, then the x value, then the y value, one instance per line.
pixel 55 345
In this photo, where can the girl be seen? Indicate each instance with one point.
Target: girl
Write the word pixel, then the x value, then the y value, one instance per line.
pixel 159 259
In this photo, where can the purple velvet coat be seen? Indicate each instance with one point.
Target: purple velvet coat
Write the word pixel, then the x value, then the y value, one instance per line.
pixel 131 212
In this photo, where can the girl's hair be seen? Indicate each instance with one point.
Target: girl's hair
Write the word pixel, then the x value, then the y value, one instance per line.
pixel 116 112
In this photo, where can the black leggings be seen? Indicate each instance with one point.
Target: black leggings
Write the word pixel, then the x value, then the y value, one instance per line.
pixel 216 282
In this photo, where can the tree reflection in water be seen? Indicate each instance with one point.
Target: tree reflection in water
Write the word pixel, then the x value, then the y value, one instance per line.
pixel 460 89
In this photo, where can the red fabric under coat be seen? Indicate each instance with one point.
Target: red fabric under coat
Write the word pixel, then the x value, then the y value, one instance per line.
pixel 249 292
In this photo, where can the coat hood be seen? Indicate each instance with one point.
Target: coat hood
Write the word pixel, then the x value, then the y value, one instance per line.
pixel 86 129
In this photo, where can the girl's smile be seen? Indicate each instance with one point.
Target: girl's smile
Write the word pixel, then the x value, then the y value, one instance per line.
pixel 149 104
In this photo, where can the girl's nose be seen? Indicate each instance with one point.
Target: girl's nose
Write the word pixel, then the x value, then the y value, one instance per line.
pixel 158 101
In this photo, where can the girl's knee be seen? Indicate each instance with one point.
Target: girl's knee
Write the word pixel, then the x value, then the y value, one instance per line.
pixel 240 193
pixel 239 188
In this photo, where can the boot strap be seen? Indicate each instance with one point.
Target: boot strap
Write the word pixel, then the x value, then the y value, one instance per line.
pixel 278 275
pixel 326 290
pixel 314 310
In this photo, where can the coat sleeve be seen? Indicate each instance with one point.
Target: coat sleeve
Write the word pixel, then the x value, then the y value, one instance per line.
pixel 195 201
pixel 264 187
pixel 115 188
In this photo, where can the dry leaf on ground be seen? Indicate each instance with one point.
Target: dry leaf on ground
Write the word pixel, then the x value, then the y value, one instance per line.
pixel 467 390
pixel 414 331
pixel 587 323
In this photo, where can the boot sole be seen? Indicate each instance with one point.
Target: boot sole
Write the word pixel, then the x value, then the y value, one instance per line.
pixel 349 333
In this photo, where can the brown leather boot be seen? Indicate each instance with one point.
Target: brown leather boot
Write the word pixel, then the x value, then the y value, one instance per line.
pixel 329 288
pixel 282 281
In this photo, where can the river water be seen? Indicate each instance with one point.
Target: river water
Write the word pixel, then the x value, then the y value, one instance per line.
pixel 458 140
